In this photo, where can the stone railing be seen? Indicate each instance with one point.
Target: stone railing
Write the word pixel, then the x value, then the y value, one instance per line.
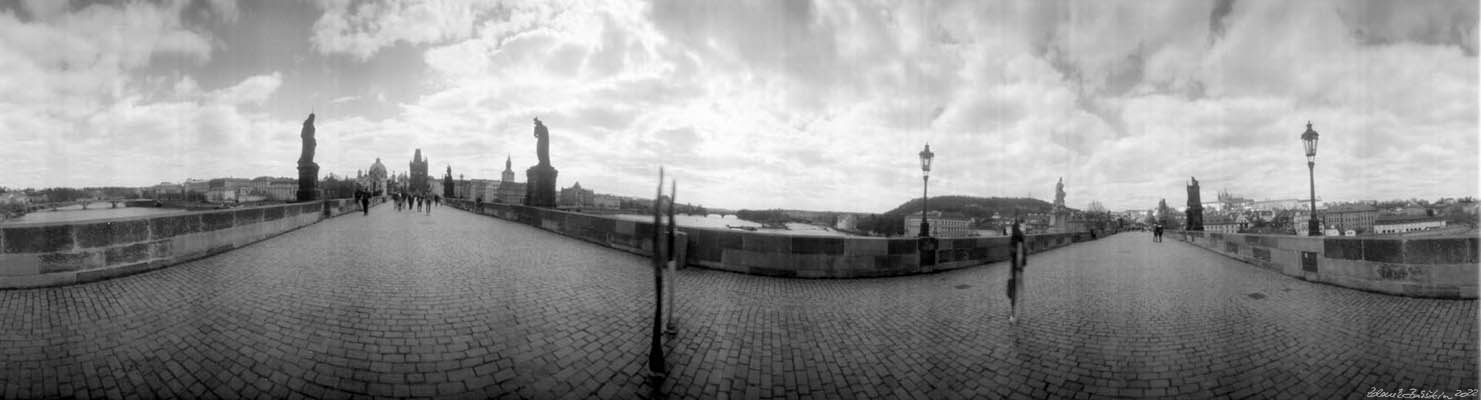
pixel 1436 267
pixel 48 254
pixel 776 254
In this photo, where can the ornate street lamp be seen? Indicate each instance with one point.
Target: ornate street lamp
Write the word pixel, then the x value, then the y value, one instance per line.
pixel 925 176
pixel 1308 139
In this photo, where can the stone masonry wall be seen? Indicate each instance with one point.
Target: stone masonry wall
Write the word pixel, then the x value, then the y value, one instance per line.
pixel 48 254
pixel 1438 267
pixel 775 254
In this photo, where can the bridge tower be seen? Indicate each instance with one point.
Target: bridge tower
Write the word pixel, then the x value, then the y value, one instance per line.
pixel 419 182
pixel 1195 207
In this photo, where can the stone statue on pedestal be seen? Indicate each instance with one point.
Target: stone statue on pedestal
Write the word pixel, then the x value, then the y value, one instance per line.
pixel 447 184
pixel 308 171
pixel 1059 194
pixel 540 185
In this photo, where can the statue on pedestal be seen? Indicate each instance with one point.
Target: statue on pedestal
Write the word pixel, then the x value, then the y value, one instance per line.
pixel 308 171
pixel 447 184
pixel 1059 194
pixel 540 185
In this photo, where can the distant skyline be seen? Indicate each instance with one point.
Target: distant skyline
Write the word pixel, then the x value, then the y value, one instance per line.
pixel 818 105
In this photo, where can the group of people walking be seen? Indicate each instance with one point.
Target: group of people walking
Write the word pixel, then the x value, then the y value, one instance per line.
pixel 416 202
pixel 407 201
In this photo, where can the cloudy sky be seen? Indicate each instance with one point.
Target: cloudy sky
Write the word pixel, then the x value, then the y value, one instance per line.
pixel 757 104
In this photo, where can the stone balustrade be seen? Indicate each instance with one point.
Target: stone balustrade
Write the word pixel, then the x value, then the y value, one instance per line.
pixel 48 254
pixel 1435 267
pixel 776 254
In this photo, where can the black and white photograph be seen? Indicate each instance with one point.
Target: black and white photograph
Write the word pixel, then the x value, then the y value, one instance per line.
pixel 739 199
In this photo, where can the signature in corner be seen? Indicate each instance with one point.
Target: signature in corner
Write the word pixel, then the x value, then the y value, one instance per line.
pixel 1411 393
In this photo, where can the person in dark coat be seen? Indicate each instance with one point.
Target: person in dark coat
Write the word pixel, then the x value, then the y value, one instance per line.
pixel 1018 249
pixel 365 203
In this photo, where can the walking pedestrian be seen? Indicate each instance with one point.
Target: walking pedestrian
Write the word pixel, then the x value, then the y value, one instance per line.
pixel 365 204
pixel 429 203
pixel 1018 249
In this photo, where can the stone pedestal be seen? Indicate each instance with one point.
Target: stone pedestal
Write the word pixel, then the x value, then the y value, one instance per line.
pixel 540 186
pixel 308 180
pixel 1194 216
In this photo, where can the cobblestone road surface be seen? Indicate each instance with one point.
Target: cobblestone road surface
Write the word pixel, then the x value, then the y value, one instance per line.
pixel 459 305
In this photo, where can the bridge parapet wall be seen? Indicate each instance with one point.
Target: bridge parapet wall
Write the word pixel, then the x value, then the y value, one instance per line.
pixel 1433 267
pixel 775 254
pixel 49 254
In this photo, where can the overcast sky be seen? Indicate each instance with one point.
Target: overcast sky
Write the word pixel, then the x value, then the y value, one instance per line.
pixel 757 104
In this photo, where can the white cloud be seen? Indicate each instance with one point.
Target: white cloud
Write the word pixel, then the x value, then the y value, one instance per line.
pixel 254 90
pixel 80 111
pixel 824 104
pixel 361 29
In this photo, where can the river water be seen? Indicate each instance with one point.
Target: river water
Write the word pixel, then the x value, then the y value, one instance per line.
pixel 97 210
pixel 719 222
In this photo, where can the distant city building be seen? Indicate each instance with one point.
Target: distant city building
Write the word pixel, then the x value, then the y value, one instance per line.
pixel 1284 204
pixel 479 189
pixel 1406 223
pixel 575 196
pixel 1415 211
pixel 166 190
pixel 1299 218
pixel 606 201
pixel 226 190
pixel 1194 213
pixel 1223 224
pixel 508 174
pixel 199 186
pixel 271 188
pixel 418 182
pixel 1358 218
pixel 949 224
pixel 508 191
pixel 376 179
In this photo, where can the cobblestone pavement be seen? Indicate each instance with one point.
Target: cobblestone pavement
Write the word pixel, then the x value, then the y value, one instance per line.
pixel 459 305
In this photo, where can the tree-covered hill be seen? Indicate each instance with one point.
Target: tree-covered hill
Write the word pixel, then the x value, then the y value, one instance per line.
pixel 976 207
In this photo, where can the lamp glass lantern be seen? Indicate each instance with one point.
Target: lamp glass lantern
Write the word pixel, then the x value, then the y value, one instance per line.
pixel 925 160
pixel 1308 140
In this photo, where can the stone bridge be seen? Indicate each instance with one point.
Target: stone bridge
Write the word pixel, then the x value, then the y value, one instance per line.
pixel 459 305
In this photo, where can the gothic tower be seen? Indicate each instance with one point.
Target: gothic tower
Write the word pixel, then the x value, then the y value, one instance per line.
pixel 508 175
pixel 1195 207
pixel 419 173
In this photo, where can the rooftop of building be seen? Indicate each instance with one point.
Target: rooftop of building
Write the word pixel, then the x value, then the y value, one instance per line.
pixel 1405 219
pixel 1351 208
pixel 941 215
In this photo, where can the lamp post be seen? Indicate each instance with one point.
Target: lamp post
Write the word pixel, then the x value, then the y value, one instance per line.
pixel 1308 140
pixel 925 178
